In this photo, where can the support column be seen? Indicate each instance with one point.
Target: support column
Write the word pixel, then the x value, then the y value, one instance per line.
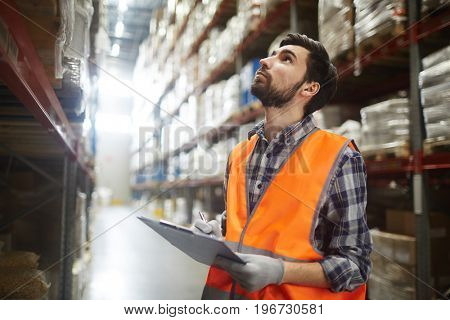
pixel 67 223
pixel 417 135
pixel 293 16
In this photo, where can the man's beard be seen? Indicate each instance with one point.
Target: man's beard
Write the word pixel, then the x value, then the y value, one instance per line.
pixel 272 97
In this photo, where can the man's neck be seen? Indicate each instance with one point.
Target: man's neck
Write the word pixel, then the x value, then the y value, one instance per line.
pixel 279 118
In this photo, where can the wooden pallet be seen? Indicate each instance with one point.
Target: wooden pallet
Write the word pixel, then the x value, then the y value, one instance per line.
pixel 388 151
pixel 368 45
pixel 436 145
pixel 345 56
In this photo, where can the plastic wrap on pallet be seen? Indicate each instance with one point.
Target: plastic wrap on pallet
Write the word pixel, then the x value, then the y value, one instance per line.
pixel 436 58
pixel 429 5
pixel 438 94
pixel 437 113
pixel 375 16
pixel 439 129
pixel 77 45
pixel 436 74
pixel 329 8
pixel 336 26
pixel 49 25
pixel 385 123
pixel 76 52
pixel 67 11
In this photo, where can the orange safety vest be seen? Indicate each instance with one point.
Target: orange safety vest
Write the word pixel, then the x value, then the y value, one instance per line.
pixel 281 224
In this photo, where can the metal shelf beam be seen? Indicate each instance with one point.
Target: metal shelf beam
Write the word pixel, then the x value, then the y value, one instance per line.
pixel 22 71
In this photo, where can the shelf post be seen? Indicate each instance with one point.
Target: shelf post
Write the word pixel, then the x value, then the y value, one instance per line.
pixel 67 223
pixel 417 135
pixel 293 16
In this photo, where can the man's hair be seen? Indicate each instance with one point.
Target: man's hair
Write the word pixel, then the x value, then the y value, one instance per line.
pixel 318 68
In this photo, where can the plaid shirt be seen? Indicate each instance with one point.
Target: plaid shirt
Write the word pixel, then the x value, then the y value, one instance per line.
pixel 341 231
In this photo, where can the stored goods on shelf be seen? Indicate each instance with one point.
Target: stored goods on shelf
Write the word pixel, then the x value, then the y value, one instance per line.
pixel 336 31
pixel 22 284
pixel 395 254
pixel 48 31
pixel 394 262
pixel 350 129
pixel 376 22
pixel 378 17
pixel 436 57
pixel 19 259
pixel 404 222
pixel 381 289
pixel 385 124
pixel 435 87
pixel 431 5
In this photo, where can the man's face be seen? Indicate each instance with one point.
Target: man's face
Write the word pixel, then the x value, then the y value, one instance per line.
pixel 280 76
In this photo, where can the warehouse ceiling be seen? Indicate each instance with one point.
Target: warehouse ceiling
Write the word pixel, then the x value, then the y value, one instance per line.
pixel 127 25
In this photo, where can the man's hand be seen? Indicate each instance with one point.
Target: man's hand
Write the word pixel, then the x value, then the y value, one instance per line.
pixel 257 272
pixel 207 228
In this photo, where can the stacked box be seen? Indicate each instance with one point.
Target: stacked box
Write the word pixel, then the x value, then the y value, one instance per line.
pixel 376 22
pixel 48 30
pixel 336 31
pixel 394 255
pixel 385 124
pixel 393 266
pixel 435 87
pixel 374 17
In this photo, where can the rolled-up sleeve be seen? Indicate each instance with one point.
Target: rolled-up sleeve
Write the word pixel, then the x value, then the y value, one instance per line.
pixel 344 236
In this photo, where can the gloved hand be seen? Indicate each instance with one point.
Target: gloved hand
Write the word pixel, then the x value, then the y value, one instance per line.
pixel 257 272
pixel 207 228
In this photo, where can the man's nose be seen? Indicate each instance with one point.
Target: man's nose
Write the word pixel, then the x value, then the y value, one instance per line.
pixel 265 63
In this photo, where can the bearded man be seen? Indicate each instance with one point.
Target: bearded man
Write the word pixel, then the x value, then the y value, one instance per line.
pixel 295 195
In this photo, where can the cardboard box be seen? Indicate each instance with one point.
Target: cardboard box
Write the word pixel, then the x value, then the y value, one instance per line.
pixel 394 260
pixel 393 272
pixel 395 247
pixel 381 289
pixel 404 222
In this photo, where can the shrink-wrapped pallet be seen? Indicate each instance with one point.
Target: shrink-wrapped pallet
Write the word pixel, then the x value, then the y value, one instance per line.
pixel 378 17
pixel 336 33
pixel 435 93
pixel 49 25
pixel 385 124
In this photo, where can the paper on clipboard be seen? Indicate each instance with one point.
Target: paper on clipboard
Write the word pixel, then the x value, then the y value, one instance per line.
pixel 203 249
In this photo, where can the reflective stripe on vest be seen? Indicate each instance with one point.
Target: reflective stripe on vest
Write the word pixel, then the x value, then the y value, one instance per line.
pixel 281 224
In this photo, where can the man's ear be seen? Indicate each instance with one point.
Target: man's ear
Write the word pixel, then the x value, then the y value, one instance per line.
pixel 311 89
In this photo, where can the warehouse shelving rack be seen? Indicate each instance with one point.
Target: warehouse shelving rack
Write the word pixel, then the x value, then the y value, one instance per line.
pixel 276 22
pixel 399 60
pixel 36 135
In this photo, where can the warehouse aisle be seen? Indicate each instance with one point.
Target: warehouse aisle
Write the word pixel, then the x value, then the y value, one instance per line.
pixel 132 262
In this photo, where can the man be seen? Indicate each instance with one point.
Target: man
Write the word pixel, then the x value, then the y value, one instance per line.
pixel 295 195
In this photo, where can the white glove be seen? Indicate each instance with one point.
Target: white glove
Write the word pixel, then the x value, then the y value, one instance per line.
pixel 257 272
pixel 211 228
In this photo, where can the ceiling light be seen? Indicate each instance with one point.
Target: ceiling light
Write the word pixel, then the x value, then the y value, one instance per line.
pixel 123 5
pixel 119 29
pixel 115 50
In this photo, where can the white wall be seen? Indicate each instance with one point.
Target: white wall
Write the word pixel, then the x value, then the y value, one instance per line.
pixel 112 164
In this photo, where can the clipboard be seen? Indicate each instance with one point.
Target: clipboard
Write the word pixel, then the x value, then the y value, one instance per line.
pixel 201 248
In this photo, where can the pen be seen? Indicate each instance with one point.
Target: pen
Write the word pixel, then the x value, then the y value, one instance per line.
pixel 202 216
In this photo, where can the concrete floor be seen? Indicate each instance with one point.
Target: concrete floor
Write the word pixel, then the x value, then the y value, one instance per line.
pixel 131 261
